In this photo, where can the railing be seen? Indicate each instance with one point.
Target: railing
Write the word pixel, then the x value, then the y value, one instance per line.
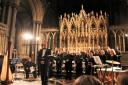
pixel 3 38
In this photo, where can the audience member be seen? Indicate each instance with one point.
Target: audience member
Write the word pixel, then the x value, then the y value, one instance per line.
pixel 87 80
pixel 122 79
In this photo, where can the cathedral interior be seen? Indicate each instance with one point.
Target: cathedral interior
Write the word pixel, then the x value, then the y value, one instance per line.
pixel 41 18
pixel 67 25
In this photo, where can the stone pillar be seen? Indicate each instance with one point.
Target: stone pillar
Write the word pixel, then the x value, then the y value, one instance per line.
pixel 123 42
pixel 93 44
pixel 5 43
pixel 76 40
pixel 60 46
pixel 115 39
pixel 9 15
pixel 1 43
pixel 39 42
pixel 47 39
pixel 97 39
pixel 3 13
pixel 68 38
pixel 106 41
pixel 11 21
pixel 89 40
pixel 84 43
pixel 119 43
pixel 53 42
pixel 36 33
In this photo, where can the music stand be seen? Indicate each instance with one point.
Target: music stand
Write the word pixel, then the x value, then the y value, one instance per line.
pixel 112 62
pixel 97 60
pixel 100 65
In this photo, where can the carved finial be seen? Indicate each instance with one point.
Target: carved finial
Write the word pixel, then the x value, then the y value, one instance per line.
pixel 92 13
pixel 105 14
pixel 101 12
pixel 64 14
pixel 96 14
pixel 88 15
pixel 76 15
pixel 72 14
pixel 60 16
pixel 82 7
pixel 68 16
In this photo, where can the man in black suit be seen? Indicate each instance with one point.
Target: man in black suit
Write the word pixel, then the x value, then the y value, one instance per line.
pixel 43 63
pixel 68 66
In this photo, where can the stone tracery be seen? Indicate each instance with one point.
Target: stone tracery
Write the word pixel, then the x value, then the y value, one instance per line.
pixel 82 31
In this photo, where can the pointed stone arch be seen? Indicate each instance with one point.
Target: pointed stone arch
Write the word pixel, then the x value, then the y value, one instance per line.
pixel 37 10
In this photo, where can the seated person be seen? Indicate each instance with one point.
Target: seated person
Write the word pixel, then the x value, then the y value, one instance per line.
pixel 122 79
pixel 30 67
pixel 87 80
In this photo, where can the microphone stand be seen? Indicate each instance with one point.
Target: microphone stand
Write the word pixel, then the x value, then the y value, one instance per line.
pixel 104 75
pixel 112 74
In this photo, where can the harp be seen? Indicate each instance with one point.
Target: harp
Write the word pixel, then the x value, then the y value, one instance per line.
pixel 6 74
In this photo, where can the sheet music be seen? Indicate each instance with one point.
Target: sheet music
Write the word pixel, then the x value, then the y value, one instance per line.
pixel 97 60
pixel 44 51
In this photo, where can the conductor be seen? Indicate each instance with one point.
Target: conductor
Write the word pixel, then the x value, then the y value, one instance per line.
pixel 43 63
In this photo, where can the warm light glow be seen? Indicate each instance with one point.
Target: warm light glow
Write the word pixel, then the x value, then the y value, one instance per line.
pixel 28 36
pixel 126 35
pixel 37 38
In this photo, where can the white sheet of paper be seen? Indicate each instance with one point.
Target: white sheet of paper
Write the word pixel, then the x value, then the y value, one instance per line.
pixel 97 60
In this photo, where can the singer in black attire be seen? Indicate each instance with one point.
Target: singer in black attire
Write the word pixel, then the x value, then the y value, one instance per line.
pixel 43 63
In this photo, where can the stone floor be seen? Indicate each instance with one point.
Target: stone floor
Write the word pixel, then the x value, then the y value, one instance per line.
pixel 22 82
pixel 19 79
pixel 38 82
pixel 52 81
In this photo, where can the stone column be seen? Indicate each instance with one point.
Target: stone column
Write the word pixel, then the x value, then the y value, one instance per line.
pixel 123 42
pixel 39 42
pixel 68 38
pixel 0 43
pixel 60 46
pixel 11 21
pixel 97 40
pixel 106 41
pixel 35 43
pixel 5 43
pixel 47 39
pixel 53 42
pixel 119 43
pixel 3 13
pixel 76 40
pixel 89 40
pixel 93 44
pixel 9 15
pixel 115 38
